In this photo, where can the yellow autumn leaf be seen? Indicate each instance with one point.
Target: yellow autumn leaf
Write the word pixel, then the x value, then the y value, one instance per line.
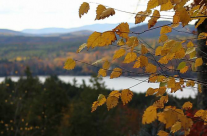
pixel 106 65
pixel 144 50
pixel 184 17
pixel 202 35
pixel 130 57
pixel 107 12
pixel 198 62
pixel 119 53
pixel 81 47
pixel 94 40
pixel 170 116
pixel 116 73
pixel 94 106
pixel 107 38
pixel 187 105
pixel 132 41
pixel 200 21
pixel 190 83
pixel 150 68
pixel 162 39
pixel 177 126
pixel 176 19
pixel 180 53
pixel 158 50
pixel 142 61
pixel 152 78
pixel 122 30
pixel 171 83
pixel 161 117
pixel 141 16
pixel 83 8
pixel 111 102
pixel 69 64
pixel 99 10
pixel 120 42
pixel 190 44
pixel 152 4
pixel 154 18
pixel 150 91
pixel 166 6
pixel 162 133
pixel 199 88
pixel 161 91
pixel 115 94
pixel 160 2
pixel 126 96
pixel 101 99
pixel 102 72
pixel 184 70
pixel 199 113
pixel 150 115
pixel 163 60
pixel 165 29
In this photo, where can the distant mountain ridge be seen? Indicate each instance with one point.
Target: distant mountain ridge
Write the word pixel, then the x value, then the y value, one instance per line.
pixel 94 27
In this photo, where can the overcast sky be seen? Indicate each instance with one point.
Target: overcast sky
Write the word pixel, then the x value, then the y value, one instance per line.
pixel 36 14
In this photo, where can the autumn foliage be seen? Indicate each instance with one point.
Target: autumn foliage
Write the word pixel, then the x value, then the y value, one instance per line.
pixel 180 52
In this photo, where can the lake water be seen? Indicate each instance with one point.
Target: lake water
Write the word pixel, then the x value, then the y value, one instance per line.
pixel 137 84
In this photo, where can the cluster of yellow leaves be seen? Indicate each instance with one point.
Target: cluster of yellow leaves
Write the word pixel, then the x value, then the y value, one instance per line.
pixel 202 114
pixel 172 117
pixel 103 71
pixel 101 39
pixel 113 99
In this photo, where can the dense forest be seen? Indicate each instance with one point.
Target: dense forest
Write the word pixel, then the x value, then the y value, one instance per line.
pixel 54 108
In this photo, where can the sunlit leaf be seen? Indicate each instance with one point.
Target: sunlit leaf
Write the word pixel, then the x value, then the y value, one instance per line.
pixel 102 72
pixel 99 10
pixel 116 73
pixel 94 40
pixel 111 102
pixel 184 70
pixel 154 18
pixel 176 127
pixel 130 57
pixel 166 6
pixel 165 29
pixel 198 62
pixel 69 64
pixel 132 41
pixel 126 96
pixel 144 50
pixel 119 53
pixel 83 8
pixel 150 68
pixel 187 105
pixel 163 38
pixel 184 17
pixel 162 133
pixel 115 94
pixel 106 65
pixel 152 4
pixel 81 47
pixel 106 13
pixel 150 115
pixel 107 38
pixel 120 42
pixel 122 30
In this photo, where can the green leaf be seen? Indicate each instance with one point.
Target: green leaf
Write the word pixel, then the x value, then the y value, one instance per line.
pixel 181 65
pixel 162 84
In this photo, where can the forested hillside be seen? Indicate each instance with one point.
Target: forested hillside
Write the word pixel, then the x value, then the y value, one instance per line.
pixel 46 54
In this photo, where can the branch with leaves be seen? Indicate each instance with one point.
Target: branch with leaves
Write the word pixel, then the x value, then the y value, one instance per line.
pixel 153 61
